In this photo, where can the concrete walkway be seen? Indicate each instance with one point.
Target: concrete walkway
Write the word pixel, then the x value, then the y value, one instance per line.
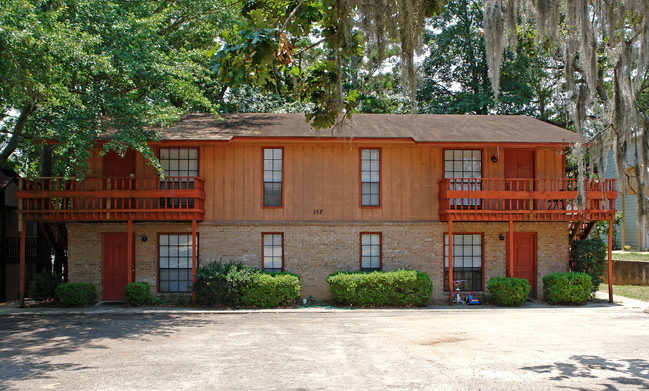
pixel 13 308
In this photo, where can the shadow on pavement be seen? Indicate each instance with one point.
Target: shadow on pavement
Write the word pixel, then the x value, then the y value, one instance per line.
pixel 27 342
pixel 615 374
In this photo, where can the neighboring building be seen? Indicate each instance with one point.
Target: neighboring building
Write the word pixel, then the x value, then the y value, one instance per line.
pixel 269 191
pixel 630 232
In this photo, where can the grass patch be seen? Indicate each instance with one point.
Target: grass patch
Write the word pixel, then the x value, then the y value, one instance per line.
pixel 631 256
pixel 630 291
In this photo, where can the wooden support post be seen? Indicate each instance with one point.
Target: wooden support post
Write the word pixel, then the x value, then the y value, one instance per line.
pixel 129 246
pixel 193 260
pixel 510 249
pixel 610 261
pixel 450 262
pixel 21 290
pixel 623 222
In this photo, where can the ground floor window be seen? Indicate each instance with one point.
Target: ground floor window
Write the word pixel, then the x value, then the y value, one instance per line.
pixel 467 261
pixel 273 252
pixel 175 263
pixel 370 251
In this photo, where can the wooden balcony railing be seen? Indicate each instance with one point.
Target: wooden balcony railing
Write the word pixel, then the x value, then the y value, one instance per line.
pixel 501 199
pixel 113 199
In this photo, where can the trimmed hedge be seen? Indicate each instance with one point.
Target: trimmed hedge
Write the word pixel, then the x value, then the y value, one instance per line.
pixel 232 284
pixel 508 292
pixel 590 256
pixel 137 294
pixel 402 288
pixel 267 290
pixel 75 294
pixel 45 284
pixel 567 288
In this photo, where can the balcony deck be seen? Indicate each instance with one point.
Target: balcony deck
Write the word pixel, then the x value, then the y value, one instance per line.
pixel 501 199
pixel 112 199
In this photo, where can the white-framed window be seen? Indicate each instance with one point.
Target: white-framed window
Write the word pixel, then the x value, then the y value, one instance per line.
pixel 273 171
pixel 179 162
pixel 180 166
pixel 370 177
pixel 175 262
pixel 465 164
pixel 467 261
pixel 370 251
pixel 273 252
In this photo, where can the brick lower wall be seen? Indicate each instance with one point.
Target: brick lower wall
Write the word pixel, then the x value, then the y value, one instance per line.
pixel 314 250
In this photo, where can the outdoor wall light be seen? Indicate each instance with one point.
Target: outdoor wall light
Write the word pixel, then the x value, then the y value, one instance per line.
pixel 494 158
pixel 144 238
pixel 501 236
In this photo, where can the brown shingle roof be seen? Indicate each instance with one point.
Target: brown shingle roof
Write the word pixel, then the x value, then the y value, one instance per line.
pixel 420 128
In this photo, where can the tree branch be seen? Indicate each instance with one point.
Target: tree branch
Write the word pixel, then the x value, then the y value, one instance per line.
pixel 281 30
pixel 18 131
pixel 310 46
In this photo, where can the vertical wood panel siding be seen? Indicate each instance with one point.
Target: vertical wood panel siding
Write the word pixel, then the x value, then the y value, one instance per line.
pixel 325 176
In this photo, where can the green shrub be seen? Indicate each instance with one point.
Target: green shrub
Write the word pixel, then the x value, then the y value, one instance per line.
pixel 210 283
pixel 138 294
pixel 45 286
pixel 233 284
pixel 590 256
pixel 75 295
pixel 396 288
pixel 508 292
pixel 567 288
pixel 267 290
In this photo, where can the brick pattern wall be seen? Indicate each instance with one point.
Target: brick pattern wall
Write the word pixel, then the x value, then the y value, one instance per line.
pixel 315 250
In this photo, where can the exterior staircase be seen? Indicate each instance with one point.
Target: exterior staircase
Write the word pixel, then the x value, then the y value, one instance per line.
pixel 579 230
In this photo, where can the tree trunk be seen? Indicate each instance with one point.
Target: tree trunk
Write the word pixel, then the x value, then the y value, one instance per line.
pixel 17 132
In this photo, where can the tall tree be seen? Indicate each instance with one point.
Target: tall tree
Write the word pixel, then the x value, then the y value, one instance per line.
pixel 606 67
pixel 455 73
pixel 74 69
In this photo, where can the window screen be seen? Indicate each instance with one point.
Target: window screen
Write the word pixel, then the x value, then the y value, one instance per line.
pixel 370 177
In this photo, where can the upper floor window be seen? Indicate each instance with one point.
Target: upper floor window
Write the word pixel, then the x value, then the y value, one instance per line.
pixel 180 166
pixel 467 261
pixel 370 177
pixel 273 162
pixel 466 164
pixel 179 161
pixel 370 251
pixel 273 253
pixel 175 263
pixel 462 163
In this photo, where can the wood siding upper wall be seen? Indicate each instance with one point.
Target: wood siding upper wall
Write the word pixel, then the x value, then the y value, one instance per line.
pixel 325 176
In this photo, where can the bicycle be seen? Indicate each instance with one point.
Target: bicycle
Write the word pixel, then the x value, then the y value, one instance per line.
pixel 456 297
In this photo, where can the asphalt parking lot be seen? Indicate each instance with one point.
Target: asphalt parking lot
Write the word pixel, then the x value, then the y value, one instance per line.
pixel 592 348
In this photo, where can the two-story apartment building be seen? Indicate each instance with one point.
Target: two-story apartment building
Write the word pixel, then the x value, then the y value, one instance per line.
pixel 390 192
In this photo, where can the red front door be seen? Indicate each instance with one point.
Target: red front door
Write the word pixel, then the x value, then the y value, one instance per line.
pixel 525 257
pixel 519 165
pixel 115 265
pixel 119 170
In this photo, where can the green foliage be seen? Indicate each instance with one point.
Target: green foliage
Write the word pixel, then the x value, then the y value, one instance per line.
pixel 455 78
pixel 45 286
pixel 267 290
pixel 138 294
pixel 76 294
pixel 590 256
pixel 601 230
pixel 234 284
pixel 508 292
pixel 76 69
pixel 396 288
pixel 567 288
